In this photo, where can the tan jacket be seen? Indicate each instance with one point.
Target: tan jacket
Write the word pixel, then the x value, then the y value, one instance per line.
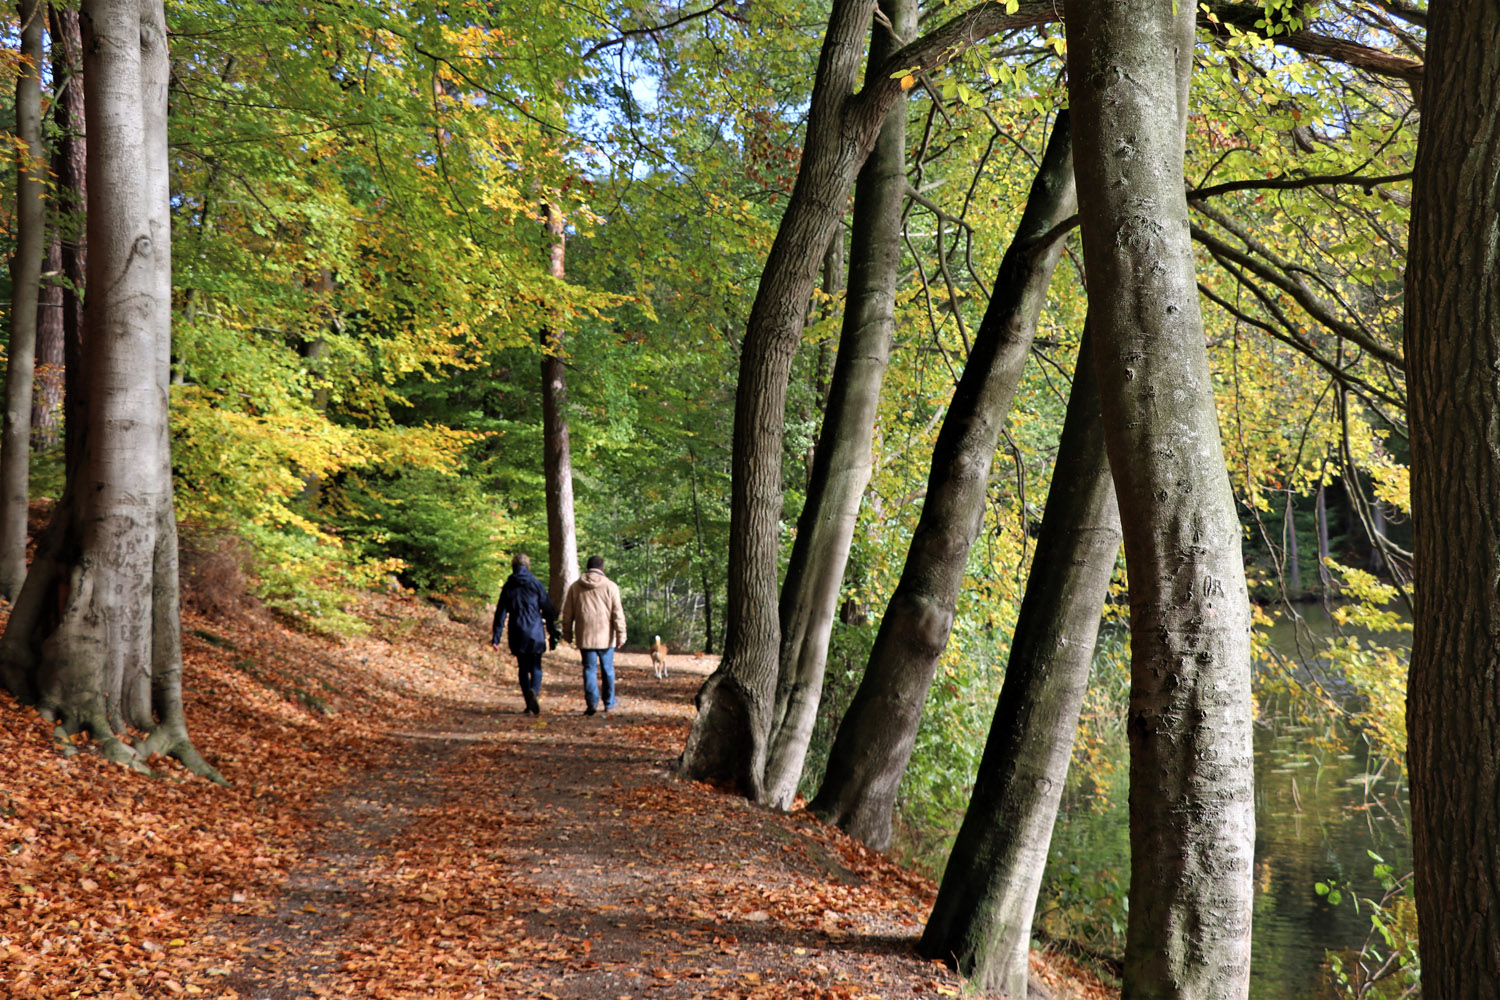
pixel 593 603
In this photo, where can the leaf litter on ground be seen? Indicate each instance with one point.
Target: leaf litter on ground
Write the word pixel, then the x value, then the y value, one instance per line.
pixel 395 827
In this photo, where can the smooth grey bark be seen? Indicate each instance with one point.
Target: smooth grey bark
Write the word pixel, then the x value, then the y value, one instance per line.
pixel 729 738
pixel 557 455
pixel 1453 353
pixel 26 279
pixel 842 461
pixel 47 398
pixel 1293 557
pixel 1192 816
pixel 1321 516
pixel 879 729
pixel 703 576
pixel 982 917
pixel 95 637
pixel 728 741
pixel 69 164
pixel 1377 536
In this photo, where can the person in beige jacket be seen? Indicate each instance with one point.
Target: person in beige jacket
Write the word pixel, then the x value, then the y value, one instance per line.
pixel 593 619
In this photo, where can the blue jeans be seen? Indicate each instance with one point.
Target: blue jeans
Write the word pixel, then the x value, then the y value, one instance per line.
pixel 604 659
pixel 529 673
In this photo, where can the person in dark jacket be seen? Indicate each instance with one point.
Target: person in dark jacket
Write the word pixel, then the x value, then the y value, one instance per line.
pixel 524 602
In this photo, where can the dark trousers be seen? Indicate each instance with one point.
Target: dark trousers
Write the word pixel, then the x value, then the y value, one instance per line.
pixel 529 673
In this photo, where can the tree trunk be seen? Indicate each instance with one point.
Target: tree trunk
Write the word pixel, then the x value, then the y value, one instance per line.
pixel 69 159
pixel 1192 816
pixel 842 462
pixel 557 458
pixel 1321 514
pixel 26 279
pixel 95 637
pixel 1293 557
pixel 708 593
pixel 875 738
pixel 47 400
pixel 728 742
pixel 1377 535
pixel 1453 352
pixel 982 917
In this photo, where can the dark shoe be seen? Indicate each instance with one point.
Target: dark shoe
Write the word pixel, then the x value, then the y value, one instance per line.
pixel 590 710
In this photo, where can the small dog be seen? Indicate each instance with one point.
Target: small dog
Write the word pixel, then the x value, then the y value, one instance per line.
pixel 659 657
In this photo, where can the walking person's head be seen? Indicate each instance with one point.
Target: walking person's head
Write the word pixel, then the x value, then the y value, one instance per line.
pixel 520 561
pixel 595 562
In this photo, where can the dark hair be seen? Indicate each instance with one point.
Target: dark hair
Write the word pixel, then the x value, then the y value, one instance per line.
pixel 520 561
pixel 595 562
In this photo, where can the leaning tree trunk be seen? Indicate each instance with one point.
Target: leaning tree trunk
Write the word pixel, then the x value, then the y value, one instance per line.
pixel 1192 816
pixel 1453 349
pixel 982 918
pixel 557 458
pixel 728 742
pixel 842 464
pixel 26 279
pixel 875 738
pixel 95 637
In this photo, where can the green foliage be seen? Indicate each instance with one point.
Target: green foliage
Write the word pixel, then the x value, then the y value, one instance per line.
pixel 1387 966
pixel 450 536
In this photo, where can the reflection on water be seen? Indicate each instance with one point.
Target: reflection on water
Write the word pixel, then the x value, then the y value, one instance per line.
pixel 1322 803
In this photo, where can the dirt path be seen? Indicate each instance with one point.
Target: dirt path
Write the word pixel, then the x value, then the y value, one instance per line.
pixel 557 858
pixel 396 828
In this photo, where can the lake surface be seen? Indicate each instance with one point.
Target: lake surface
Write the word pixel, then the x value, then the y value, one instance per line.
pixel 1323 802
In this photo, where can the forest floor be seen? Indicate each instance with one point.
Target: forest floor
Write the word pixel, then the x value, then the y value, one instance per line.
pixel 394 827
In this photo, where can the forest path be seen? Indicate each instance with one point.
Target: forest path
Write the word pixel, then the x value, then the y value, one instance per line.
pixel 395 828
pixel 492 854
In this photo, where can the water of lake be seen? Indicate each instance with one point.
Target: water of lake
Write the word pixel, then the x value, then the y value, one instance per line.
pixel 1322 804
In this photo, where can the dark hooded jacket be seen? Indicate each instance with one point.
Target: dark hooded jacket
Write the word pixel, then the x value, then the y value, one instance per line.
pixel 524 600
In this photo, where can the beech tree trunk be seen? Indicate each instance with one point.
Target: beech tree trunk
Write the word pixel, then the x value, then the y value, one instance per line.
pixel 1292 557
pixel 875 738
pixel 1192 816
pixel 1453 353
pixel 728 742
pixel 26 279
pixel 842 461
pixel 1321 514
pixel 703 574
pixel 982 917
pixel 69 161
pixel 47 400
pixel 95 637
pixel 557 456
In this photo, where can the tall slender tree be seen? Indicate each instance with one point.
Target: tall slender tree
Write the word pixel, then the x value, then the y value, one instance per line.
pixel 51 343
pixel 69 159
pixel 26 278
pixel 876 736
pixel 95 638
pixel 557 455
pixel 982 918
pixel 842 461
pixel 1192 815
pixel 1453 353
pixel 729 740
